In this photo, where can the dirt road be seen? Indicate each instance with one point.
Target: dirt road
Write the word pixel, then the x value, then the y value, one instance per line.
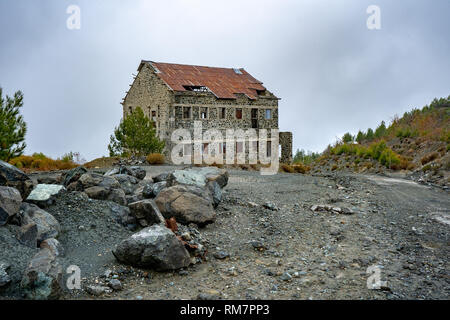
pixel 398 229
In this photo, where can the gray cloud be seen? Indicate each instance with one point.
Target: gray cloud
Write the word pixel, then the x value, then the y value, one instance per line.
pixel 332 73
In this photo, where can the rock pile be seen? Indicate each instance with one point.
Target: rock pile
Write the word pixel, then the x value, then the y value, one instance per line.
pixel 187 196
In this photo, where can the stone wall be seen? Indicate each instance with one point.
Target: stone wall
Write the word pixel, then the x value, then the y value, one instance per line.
pixel 286 147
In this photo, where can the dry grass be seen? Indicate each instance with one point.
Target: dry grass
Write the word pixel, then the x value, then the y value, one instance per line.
pixel 102 162
pixel 429 157
pixel 156 158
pixel 40 162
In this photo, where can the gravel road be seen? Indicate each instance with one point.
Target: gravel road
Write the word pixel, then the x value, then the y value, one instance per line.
pixel 398 229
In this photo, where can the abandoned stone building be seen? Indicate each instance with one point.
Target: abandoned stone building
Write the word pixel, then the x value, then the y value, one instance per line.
pixel 176 96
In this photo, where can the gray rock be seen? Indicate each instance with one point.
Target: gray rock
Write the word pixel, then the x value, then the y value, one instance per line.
pixel 115 284
pixel 104 193
pixel 188 204
pixel 112 172
pixel 188 177
pixel 147 191
pixel 10 200
pixel 73 175
pixel 270 206
pixel 47 225
pixel 148 210
pixel 221 255
pixel 28 235
pixel 128 183
pixel 98 290
pixel 54 246
pixel 88 180
pixel 43 276
pixel 286 276
pixel 161 177
pixel 4 277
pixel 153 247
pixel 10 176
pixel 138 172
pixel 50 179
pixel 44 194
pixel 216 192
pixel 157 187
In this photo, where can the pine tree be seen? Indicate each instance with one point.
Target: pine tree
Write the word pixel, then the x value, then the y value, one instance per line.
pixel 370 134
pixel 12 126
pixel 135 136
pixel 381 130
pixel 360 137
pixel 347 138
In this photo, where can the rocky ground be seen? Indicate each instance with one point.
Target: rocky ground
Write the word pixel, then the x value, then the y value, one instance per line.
pixel 268 243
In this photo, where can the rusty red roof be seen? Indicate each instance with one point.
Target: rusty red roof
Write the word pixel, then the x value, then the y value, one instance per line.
pixel 222 82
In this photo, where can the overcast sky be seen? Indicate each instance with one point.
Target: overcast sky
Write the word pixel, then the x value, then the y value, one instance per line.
pixel 331 72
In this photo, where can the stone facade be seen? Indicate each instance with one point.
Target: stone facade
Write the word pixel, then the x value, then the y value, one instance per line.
pixel 171 110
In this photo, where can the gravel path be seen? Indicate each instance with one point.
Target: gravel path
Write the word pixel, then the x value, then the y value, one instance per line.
pixel 286 251
pixel 296 253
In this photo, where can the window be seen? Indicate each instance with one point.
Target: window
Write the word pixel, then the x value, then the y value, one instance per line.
pixel 239 147
pixel 186 112
pixel 269 148
pixel 130 109
pixel 203 113
pixel 238 113
pixel 222 113
pixel 268 114
pixel 205 148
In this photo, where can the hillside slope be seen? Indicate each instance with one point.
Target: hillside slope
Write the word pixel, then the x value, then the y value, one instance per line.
pixel 417 145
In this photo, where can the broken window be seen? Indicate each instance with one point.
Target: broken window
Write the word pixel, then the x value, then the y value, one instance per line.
pixel 261 92
pixel 222 113
pixel 238 113
pixel 203 113
pixel 268 114
pixel 196 88
pixel 186 112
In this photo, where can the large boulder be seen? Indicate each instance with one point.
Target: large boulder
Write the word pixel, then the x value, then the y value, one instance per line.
pixel 10 200
pixel 42 279
pixel 44 195
pixel 146 210
pixel 188 177
pixel 154 247
pixel 198 176
pixel 187 203
pixel 73 175
pixel 10 176
pixel 47 225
